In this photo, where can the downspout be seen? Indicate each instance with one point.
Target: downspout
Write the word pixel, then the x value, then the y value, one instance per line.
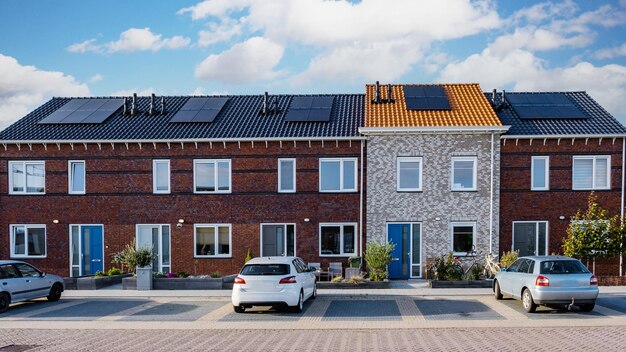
pixel 361 206
pixel 491 197
pixel 621 256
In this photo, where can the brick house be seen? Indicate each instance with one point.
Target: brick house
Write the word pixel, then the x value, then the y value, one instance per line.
pixel 199 179
pixel 433 178
pixel 559 148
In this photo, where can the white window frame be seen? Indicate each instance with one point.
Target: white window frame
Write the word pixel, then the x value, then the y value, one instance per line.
pixel 216 234
pixel 474 173
pixel 26 227
pixel 546 175
pixel 341 189
pixel 460 224
pixel 536 222
pixel 216 172
pixel 341 233
pixel 70 177
pixel 409 159
pixel 24 162
pixel 280 188
pixel 154 176
pixel 593 171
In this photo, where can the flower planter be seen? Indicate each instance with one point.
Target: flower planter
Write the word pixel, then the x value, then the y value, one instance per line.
pixel 144 279
pixel 177 283
pixel 345 285
pixel 93 282
pixel 461 284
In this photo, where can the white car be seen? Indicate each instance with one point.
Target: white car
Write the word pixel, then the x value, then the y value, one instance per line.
pixel 274 281
pixel 20 281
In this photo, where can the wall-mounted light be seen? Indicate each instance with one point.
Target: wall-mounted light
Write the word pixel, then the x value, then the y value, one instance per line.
pixel 307 219
pixel 562 217
pixel 55 221
pixel 437 219
pixel 180 223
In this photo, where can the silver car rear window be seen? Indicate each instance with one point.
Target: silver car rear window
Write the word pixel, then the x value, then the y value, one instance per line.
pixel 265 269
pixel 563 267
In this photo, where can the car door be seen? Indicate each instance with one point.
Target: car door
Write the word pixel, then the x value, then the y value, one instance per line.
pixel 508 276
pixel 519 277
pixel 35 284
pixel 301 276
pixel 12 282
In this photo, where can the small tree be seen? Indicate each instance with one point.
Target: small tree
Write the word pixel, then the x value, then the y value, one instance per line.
pixel 132 257
pixel 378 257
pixel 593 233
pixel 248 255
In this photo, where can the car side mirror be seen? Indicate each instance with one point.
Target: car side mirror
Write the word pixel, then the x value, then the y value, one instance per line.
pixel 43 274
pixel 312 269
pixel 503 268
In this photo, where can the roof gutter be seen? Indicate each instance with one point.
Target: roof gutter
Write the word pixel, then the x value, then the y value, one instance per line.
pixel 188 140
pixel 561 136
pixel 432 129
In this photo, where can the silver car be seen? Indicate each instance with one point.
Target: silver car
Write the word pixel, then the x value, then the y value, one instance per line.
pixel 21 281
pixel 553 281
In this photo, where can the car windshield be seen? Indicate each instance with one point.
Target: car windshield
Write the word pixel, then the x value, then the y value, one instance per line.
pixel 563 267
pixel 265 269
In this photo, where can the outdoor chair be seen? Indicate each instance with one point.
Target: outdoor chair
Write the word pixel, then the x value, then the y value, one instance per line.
pixel 335 269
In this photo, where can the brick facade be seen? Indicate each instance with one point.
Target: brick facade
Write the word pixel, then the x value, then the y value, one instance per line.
pixel 519 203
pixel 119 196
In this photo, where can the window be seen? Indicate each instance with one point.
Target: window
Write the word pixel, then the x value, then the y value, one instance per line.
pixel 212 240
pixel 464 173
pixel 463 237
pixel 540 173
pixel 211 176
pixel 27 177
pixel 591 172
pixel 76 178
pixel 161 176
pixel 337 239
pixel 530 237
pixel 338 175
pixel 28 241
pixel 409 174
pixel 286 175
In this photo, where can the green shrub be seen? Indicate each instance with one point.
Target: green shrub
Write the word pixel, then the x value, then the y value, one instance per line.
pixel 216 274
pixel 378 257
pixel 100 273
pixel 508 258
pixel 182 274
pixel 474 274
pixel 114 271
pixel 132 257
pixel 248 255
pixel 447 269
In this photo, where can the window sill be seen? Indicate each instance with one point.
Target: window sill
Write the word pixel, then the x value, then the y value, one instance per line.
pixel 213 256
pixel 287 192
pixel 209 192
pixel 27 194
pixel 18 256
pixel 339 191
pixel 409 190
pixel 345 255
pixel 465 190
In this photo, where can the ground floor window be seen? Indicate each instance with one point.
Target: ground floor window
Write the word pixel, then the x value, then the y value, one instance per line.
pixel 463 237
pixel 337 239
pixel 530 237
pixel 28 241
pixel 212 240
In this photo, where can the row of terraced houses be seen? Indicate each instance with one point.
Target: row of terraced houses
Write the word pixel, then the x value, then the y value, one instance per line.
pixel 202 180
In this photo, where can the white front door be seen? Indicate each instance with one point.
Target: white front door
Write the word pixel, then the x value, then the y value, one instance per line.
pixel 156 237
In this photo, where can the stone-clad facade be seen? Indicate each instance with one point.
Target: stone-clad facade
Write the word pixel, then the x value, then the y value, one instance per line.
pixel 436 207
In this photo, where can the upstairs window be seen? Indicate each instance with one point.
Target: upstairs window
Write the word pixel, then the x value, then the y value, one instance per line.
pixel 161 176
pixel 286 175
pixel 338 175
pixel 212 176
pixel 27 177
pixel 464 173
pixel 77 177
pixel 409 174
pixel 540 171
pixel 591 172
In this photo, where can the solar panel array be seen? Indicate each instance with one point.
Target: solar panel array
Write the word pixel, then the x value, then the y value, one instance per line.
pixel 544 106
pixel 84 111
pixel 200 109
pixel 426 98
pixel 310 109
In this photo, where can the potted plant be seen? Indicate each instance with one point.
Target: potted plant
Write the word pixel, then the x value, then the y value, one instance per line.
pixel 141 259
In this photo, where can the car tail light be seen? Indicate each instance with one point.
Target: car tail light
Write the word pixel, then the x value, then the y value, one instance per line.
pixel 593 281
pixel 288 280
pixel 239 281
pixel 542 281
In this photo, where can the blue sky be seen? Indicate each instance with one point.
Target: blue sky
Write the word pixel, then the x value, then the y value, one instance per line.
pixel 79 48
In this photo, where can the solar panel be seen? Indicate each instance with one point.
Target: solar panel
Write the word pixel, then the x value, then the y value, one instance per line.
pixel 90 111
pixel 200 109
pixel 310 108
pixel 544 106
pixel 426 98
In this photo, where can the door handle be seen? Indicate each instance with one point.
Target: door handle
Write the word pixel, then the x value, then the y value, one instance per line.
pixel 4 283
pixel 27 280
pixel 96 260
pixel 395 259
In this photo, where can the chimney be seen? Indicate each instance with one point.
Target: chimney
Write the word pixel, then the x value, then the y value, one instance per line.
pixel 133 107
pixel 377 99
pixel 265 104
pixel 151 112
pixel 389 93
pixel 125 106
pixel 493 97
pixel 503 96
pixel 162 105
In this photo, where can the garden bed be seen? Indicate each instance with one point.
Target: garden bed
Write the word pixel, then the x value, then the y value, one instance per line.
pixel 461 284
pixel 346 285
pixel 93 282
pixel 178 283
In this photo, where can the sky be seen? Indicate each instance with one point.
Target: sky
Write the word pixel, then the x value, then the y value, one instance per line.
pixel 118 47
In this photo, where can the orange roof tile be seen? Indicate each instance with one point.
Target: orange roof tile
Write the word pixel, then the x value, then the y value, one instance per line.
pixel 469 108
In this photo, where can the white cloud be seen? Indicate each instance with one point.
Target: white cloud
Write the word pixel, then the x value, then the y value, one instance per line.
pixel 23 88
pixel 140 92
pixel 216 8
pixel 132 40
pixel 610 53
pixel 219 33
pixel 245 62
pixel 96 78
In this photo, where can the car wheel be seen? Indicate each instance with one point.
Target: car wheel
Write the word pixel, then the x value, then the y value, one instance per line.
pixel 5 300
pixel 528 302
pixel 298 307
pixel 587 307
pixel 496 290
pixel 239 309
pixel 314 294
pixel 55 293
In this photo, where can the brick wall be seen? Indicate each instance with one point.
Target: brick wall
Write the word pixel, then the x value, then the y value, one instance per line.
pixel 519 203
pixel 119 196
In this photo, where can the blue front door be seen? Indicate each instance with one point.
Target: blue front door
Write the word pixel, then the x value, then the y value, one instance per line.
pixel 399 234
pixel 91 239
